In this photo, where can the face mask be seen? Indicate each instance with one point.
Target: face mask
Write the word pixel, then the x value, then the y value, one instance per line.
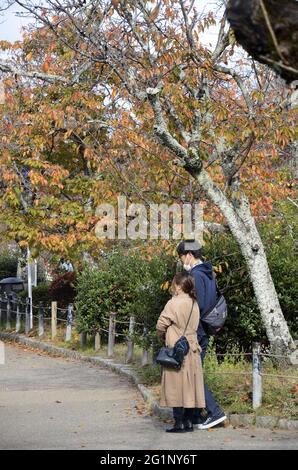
pixel 187 267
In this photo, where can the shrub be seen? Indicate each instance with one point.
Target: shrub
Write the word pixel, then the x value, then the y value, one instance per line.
pixel 8 264
pixel 124 283
pixel 40 293
pixel 62 289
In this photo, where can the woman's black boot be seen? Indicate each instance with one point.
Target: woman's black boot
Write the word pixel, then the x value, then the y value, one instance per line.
pixel 178 427
pixel 188 426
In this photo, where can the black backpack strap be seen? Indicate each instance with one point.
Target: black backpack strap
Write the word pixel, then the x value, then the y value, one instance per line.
pixel 218 291
pixel 193 302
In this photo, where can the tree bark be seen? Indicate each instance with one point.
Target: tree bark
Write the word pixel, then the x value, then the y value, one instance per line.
pixel 243 228
pixel 267 30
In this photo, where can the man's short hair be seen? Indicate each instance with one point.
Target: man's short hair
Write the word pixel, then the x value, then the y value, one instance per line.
pixel 190 246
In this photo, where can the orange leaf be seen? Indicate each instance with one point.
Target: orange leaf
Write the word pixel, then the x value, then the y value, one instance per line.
pixel 46 66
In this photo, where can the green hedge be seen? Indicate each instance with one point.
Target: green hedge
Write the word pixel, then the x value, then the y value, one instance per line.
pixel 40 293
pixel 8 264
pixel 125 283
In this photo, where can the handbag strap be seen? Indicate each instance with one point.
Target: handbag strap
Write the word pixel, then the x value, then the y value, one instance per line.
pixel 193 302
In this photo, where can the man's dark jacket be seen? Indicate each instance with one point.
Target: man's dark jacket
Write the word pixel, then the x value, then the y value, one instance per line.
pixel 205 289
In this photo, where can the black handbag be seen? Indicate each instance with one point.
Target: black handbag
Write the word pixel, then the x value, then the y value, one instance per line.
pixel 166 358
pixel 172 358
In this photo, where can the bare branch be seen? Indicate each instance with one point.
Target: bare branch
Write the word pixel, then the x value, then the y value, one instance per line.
pixel 232 168
pixel 172 112
pixel 6 68
pixel 215 228
pixel 271 30
pixel 222 40
pixel 161 128
pixel 293 202
pixel 240 83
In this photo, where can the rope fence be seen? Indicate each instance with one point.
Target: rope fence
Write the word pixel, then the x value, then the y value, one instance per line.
pixel 27 316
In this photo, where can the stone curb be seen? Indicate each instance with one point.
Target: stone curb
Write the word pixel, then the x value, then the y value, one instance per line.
pixel 269 422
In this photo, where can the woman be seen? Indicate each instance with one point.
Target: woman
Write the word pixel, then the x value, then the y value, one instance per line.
pixel 182 389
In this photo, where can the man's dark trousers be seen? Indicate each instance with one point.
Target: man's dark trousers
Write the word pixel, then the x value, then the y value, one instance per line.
pixel 211 405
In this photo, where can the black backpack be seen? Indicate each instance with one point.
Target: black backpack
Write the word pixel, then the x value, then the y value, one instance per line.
pixel 214 319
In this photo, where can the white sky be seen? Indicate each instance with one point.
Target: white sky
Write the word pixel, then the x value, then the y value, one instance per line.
pixel 11 25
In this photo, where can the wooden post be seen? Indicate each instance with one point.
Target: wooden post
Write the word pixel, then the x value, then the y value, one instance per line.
pixel 112 331
pixel 2 354
pixel 13 307
pixel 18 319
pixel 256 377
pixel 27 316
pixel 130 343
pixel 54 319
pixel 145 357
pixel 40 320
pixel 97 341
pixel 8 312
pixel 69 322
pixel 83 339
pixel 29 274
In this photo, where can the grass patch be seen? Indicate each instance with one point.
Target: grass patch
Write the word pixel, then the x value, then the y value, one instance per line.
pixel 150 375
pixel 230 381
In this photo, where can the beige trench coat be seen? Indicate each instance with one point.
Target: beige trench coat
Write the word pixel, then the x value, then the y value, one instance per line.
pixel 185 387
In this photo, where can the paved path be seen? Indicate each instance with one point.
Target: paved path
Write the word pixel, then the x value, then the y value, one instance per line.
pixel 53 403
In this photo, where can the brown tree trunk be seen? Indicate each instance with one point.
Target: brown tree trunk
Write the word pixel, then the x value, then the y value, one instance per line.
pixel 244 230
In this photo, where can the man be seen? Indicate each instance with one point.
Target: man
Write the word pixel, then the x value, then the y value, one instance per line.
pixel 190 254
pixel 66 265
pixel 69 266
